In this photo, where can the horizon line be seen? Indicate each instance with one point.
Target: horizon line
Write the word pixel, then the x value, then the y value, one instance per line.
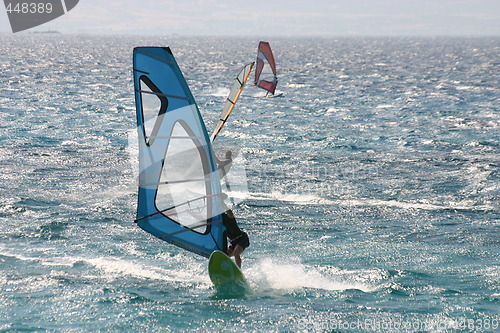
pixel 56 32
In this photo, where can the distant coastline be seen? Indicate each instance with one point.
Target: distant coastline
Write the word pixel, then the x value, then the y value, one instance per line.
pixel 45 32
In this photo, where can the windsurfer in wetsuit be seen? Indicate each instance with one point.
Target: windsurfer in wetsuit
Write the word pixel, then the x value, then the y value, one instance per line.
pixel 238 238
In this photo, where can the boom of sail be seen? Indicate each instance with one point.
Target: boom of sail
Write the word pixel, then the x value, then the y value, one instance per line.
pixel 234 94
pixel 265 69
pixel 179 197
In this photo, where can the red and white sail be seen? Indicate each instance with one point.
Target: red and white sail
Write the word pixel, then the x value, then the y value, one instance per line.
pixel 265 69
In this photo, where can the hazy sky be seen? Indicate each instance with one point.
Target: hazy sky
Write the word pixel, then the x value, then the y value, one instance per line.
pixel 280 17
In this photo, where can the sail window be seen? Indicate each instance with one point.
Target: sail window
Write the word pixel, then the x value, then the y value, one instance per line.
pixel 154 105
pixel 184 183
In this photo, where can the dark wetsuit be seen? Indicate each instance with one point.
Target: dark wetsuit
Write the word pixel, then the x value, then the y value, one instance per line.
pixel 234 233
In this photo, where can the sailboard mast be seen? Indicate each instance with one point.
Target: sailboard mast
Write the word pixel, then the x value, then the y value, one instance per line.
pixel 234 95
pixel 179 195
pixel 265 69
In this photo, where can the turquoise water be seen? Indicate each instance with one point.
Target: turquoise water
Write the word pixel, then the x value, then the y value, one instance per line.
pixel 373 201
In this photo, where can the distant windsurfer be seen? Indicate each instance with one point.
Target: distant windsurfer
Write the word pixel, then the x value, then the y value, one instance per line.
pixel 238 238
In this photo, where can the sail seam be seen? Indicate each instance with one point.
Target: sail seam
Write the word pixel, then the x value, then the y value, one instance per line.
pixel 178 182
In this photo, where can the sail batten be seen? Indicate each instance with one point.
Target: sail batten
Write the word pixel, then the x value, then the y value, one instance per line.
pixel 265 69
pixel 179 191
pixel 158 94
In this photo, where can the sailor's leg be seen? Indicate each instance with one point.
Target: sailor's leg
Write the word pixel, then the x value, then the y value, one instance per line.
pixel 236 252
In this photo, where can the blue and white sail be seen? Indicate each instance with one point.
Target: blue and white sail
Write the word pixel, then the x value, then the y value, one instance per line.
pixel 179 197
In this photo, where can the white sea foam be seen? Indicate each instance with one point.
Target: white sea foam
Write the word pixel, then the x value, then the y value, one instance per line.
pixel 292 197
pixel 413 205
pixel 8 253
pixel 289 275
pixel 220 92
pixel 315 199
pixel 115 268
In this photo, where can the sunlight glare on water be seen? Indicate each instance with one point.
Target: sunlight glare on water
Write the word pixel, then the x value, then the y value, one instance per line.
pixel 372 187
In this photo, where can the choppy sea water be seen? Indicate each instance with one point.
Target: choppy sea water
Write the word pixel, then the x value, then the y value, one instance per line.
pixel 373 201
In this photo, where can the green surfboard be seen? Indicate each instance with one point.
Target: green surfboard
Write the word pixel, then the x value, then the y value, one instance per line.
pixel 223 271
